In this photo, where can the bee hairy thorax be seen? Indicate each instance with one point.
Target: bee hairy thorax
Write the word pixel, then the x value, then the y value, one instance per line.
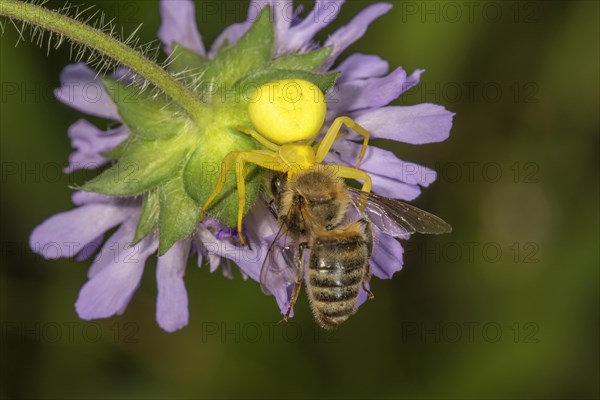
pixel 313 199
pixel 337 267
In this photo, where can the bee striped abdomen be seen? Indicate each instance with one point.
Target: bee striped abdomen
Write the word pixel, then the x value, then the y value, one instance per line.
pixel 337 267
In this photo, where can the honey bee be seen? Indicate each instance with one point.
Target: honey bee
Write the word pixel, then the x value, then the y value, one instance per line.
pixel 312 210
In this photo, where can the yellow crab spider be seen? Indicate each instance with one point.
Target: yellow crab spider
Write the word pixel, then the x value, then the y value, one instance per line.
pixel 287 116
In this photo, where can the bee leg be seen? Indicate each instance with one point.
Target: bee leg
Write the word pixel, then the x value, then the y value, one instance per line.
pixel 332 134
pixel 293 298
pixel 369 242
pixel 366 279
pixel 299 277
pixel 368 235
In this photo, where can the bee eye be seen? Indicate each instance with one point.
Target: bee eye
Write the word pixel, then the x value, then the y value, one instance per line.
pixel 275 187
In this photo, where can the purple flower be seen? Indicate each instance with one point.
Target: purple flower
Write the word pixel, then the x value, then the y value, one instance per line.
pixel 362 92
pixel 117 267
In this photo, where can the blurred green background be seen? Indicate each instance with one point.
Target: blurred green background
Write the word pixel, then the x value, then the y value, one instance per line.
pixel 506 306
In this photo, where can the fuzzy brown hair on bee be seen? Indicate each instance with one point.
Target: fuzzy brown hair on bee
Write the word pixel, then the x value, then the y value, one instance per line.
pixel 338 267
pixel 311 208
pixel 313 199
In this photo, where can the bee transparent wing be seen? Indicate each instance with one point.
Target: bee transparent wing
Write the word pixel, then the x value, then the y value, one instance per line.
pixel 397 218
pixel 279 267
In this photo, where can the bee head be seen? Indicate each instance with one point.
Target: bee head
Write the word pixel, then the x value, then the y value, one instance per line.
pixel 299 200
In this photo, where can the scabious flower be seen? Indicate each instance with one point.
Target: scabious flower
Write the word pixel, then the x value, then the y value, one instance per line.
pixel 362 91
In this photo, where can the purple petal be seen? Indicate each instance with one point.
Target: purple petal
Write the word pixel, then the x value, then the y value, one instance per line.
pixel 419 124
pixel 282 296
pixel 178 24
pixel 65 234
pixel 387 255
pixel 80 198
pixel 323 13
pixel 172 303
pixel 250 258
pixel 361 66
pixel 208 246
pixel 90 142
pixel 391 187
pixel 109 292
pixel 297 15
pixel 372 92
pixel 227 271
pixel 198 251
pixel 83 90
pixel 118 245
pixel 362 296
pixel 383 162
pixel 354 30
pixel 383 185
pixel 90 248
pixel 264 226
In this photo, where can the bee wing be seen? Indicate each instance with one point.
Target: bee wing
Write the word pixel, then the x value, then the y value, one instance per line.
pixel 279 268
pixel 395 217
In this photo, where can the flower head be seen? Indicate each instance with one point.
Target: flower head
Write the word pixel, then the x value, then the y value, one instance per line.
pixel 158 210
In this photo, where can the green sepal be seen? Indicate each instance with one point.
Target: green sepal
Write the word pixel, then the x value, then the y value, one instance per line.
pixel 140 169
pixel 252 52
pixel 119 150
pixel 307 61
pixel 255 80
pixel 147 115
pixel 200 178
pixel 179 214
pixel 183 59
pixel 148 217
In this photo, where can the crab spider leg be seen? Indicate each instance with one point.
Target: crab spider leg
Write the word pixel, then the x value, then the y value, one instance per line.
pixel 225 166
pixel 353 173
pixel 332 134
pixel 258 137
pixel 264 159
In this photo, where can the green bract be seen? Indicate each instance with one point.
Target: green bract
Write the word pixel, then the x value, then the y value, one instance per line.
pixel 173 159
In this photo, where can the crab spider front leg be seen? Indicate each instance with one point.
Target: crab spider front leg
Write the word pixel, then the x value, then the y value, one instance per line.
pixel 332 134
pixel 258 137
pixel 265 159
pixel 353 173
pixel 225 167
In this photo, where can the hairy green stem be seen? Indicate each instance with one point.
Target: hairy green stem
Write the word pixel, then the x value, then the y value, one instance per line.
pixel 97 40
